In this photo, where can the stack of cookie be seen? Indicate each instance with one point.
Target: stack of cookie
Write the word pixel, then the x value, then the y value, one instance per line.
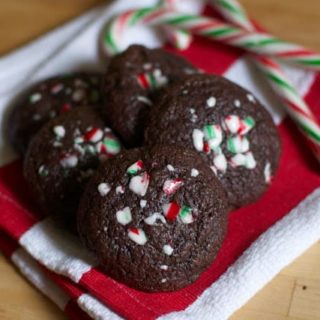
pixel 145 162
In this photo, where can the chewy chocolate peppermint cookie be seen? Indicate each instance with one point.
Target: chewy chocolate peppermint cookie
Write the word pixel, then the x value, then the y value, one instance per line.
pixel 63 156
pixel 47 100
pixel 155 218
pixel 227 126
pixel 134 79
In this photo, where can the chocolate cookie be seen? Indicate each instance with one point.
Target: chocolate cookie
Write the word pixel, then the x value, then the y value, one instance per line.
pixel 155 218
pixel 48 99
pixel 63 155
pixel 134 79
pixel 228 127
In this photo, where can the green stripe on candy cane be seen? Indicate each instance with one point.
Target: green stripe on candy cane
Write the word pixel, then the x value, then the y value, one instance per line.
pixel 109 41
pixel 138 15
pixel 219 32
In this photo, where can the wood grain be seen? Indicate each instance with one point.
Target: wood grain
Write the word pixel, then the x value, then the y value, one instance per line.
pixel 295 293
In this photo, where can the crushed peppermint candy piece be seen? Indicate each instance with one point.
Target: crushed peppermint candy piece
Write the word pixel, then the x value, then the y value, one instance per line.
pixel 152 80
pixel 135 167
pixel 213 135
pixel 35 97
pixel 170 167
pixel 267 173
pixel 211 102
pixel 247 160
pixel 250 161
pixel 56 88
pixel 43 171
pixel 163 280
pixel 197 137
pixel 104 188
pixel 237 103
pixel 185 215
pixel 145 100
pixel 164 267
pixel 220 162
pixel 124 216
pixel 232 123
pixel 238 144
pixel 110 145
pixel 93 135
pixel 137 235
pixel 69 161
pixel 139 184
pixel 246 125
pixel 120 190
pixel 143 203
pixel 59 131
pixel 152 220
pixel 194 172
pixel 172 210
pixel 170 186
pixel 78 95
pixel 251 98
pixel 167 249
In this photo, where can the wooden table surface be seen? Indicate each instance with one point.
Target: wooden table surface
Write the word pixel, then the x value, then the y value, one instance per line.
pixel 295 293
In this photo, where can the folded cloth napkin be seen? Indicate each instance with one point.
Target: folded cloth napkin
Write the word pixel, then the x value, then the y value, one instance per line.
pixel 262 238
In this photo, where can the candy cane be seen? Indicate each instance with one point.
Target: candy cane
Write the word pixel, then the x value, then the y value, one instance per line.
pixel 252 41
pixel 180 39
pixel 295 106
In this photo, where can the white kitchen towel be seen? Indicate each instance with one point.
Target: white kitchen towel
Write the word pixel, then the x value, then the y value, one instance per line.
pixel 257 265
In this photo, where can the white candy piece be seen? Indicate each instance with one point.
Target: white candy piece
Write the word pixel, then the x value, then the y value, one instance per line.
pixel 35 97
pixel 143 203
pixel 59 131
pixel 197 137
pixel 194 172
pixel 78 95
pixel 139 184
pixel 237 103
pixel 267 172
pixel 104 189
pixel 211 102
pixel 238 160
pixel 164 267
pixel 232 123
pixel 119 190
pixel 152 220
pixel 167 249
pixel 124 216
pixel 163 280
pixel 69 162
pixel 250 161
pixel 144 100
pixel 251 98
pixel 170 167
pixel 220 162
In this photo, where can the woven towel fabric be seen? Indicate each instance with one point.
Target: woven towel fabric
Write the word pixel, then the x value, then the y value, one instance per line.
pixel 81 279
